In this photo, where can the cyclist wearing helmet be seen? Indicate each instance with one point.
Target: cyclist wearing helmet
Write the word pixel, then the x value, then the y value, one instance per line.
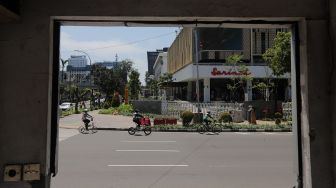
pixel 136 118
pixel 208 119
pixel 86 118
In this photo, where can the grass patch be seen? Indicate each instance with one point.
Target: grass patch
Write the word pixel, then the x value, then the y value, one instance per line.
pixel 123 109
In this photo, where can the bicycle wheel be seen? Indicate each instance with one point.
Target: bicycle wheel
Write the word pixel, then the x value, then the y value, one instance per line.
pixel 131 130
pixel 215 129
pixel 94 129
pixel 147 130
pixel 82 130
pixel 201 129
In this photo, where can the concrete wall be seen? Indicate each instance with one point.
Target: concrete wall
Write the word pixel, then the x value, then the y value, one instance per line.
pixel 153 107
pixel 260 105
pixel 25 67
pixel 332 30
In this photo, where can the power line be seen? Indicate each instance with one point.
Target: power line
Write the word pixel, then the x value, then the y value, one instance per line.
pixel 129 43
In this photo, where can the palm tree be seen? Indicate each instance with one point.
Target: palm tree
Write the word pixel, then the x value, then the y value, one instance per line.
pixel 81 95
pixel 63 65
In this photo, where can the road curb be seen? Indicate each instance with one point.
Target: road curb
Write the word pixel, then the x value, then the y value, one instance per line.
pixel 189 130
pixel 194 130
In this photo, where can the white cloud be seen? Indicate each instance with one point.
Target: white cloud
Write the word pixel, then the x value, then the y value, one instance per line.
pixel 134 52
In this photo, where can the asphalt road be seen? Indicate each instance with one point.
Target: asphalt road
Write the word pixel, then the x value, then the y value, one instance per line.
pixel 112 159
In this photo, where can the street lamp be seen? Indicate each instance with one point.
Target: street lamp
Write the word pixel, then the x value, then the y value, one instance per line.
pixel 90 80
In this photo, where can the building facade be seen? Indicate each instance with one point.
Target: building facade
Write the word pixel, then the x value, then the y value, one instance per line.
pixel 151 58
pixel 208 63
pixel 160 65
pixel 108 64
pixel 78 71
pixel 77 61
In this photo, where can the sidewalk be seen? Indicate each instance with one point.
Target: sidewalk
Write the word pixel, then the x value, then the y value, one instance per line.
pixel 122 123
pixel 101 121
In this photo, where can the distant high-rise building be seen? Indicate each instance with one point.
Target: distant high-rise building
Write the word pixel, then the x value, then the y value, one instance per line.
pixel 78 71
pixel 151 58
pixel 108 64
pixel 77 61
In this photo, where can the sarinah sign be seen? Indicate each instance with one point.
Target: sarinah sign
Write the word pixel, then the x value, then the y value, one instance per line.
pixel 216 72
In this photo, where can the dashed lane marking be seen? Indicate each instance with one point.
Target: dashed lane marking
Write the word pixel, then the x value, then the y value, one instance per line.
pixel 148 141
pixel 138 150
pixel 147 165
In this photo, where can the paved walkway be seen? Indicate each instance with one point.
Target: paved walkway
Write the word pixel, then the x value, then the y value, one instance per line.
pixel 114 121
pixel 100 120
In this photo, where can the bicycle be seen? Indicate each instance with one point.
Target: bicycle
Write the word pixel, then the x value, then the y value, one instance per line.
pixel 212 127
pixel 90 129
pixel 144 126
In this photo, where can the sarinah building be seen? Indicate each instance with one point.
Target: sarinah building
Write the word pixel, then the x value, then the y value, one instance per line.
pixel 214 72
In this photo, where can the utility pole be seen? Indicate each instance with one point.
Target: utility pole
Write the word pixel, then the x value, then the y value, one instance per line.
pixel 196 62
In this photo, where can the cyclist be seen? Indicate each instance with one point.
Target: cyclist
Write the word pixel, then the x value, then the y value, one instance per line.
pixel 86 118
pixel 207 120
pixel 136 118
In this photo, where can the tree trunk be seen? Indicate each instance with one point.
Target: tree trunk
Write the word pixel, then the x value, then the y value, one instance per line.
pixel 275 95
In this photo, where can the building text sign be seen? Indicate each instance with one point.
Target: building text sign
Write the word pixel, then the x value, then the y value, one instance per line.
pixel 231 72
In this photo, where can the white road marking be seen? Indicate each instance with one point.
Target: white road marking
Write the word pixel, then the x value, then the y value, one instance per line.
pixel 148 141
pixel 148 165
pixel 242 133
pixel 150 150
pixel 269 133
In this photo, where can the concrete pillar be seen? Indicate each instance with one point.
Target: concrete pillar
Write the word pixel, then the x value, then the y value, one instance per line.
pixel 189 91
pixel 164 94
pixel 206 90
pixel 267 94
pixel 248 90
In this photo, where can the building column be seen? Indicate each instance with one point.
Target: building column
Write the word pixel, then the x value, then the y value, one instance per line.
pixel 267 94
pixel 206 90
pixel 189 91
pixel 248 90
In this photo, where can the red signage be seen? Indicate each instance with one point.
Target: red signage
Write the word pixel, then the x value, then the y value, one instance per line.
pixel 216 72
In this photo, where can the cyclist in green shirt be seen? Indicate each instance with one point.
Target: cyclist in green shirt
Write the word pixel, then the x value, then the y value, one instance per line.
pixel 208 119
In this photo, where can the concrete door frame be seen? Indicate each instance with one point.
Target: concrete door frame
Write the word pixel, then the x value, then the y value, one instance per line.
pixel 298 29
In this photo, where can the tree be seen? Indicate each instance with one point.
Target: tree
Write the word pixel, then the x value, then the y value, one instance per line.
pixel 111 80
pixel 63 65
pixel 278 58
pixel 134 84
pixel 238 81
pixel 81 95
pixel 154 87
pixel 165 79
pixel 147 79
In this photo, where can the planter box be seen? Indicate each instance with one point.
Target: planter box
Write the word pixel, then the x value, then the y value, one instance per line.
pixel 159 121
pixel 171 121
pixel 164 121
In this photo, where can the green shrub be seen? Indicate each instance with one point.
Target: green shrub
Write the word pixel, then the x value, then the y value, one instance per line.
pixel 187 117
pixel 107 104
pixel 116 100
pixel 125 108
pixel 277 115
pixel 225 117
pixel 107 111
pixel 277 121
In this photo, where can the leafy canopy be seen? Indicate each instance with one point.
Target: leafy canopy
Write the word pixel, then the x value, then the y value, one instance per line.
pixel 278 57
pixel 134 84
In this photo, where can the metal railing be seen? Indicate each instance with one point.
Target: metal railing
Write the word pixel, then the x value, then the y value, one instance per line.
pixel 287 110
pixel 174 108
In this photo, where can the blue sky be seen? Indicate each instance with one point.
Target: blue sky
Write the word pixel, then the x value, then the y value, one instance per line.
pixel 103 43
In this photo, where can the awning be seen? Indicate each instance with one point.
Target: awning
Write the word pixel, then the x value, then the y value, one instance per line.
pixel 173 84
